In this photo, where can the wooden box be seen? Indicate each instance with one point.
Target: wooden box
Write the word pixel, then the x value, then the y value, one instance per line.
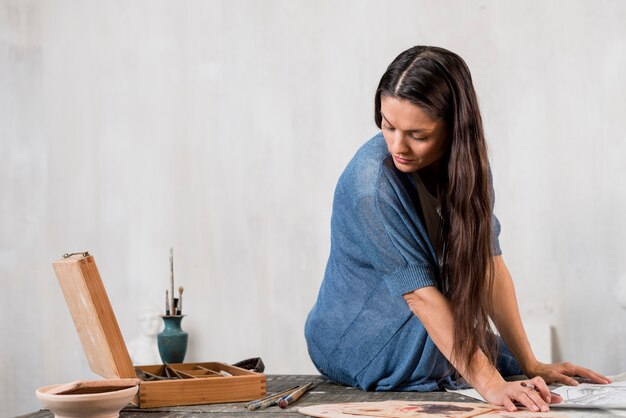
pixel 108 356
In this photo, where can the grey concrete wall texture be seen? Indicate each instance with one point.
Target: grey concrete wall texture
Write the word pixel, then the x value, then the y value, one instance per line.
pixel 221 127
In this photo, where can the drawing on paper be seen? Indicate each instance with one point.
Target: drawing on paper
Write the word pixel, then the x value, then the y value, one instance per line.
pixel 593 396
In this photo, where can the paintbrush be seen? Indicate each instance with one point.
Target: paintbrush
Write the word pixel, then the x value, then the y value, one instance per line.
pixel 180 300
pixel 294 396
pixel 268 400
pixel 171 301
pixel 173 370
pixel 143 375
pixel 167 302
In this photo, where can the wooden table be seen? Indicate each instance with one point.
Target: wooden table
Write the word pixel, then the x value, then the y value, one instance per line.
pixel 324 392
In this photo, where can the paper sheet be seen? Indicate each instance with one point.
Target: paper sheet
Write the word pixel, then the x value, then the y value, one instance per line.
pixel 589 395
pixel 585 395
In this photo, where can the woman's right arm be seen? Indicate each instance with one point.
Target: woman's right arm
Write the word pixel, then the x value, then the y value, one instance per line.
pixel 434 311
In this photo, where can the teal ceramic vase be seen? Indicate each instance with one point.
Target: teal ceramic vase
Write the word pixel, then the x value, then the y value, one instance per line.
pixel 172 340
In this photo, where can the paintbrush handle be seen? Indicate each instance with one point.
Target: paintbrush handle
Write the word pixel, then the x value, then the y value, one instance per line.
pixel 171 301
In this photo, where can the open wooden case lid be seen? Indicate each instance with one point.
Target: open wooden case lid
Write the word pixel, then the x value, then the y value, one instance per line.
pixel 93 316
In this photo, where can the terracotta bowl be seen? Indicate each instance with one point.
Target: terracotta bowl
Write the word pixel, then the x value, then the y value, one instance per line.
pixel 95 405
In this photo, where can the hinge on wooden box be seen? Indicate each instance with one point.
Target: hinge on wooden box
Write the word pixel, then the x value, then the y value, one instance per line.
pixel 84 254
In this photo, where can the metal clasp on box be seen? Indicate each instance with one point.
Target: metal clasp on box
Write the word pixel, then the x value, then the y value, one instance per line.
pixel 84 254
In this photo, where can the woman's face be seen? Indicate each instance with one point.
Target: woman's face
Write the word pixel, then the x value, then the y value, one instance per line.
pixel 414 139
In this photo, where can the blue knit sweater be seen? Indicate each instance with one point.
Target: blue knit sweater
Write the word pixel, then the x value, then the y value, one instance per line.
pixel 361 331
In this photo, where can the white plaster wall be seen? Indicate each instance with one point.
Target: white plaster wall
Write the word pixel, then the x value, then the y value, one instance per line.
pixel 220 127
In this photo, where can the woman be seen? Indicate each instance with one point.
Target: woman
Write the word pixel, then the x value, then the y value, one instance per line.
pixel 415 269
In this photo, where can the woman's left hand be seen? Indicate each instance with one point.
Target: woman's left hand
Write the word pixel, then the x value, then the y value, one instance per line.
pixel 564 372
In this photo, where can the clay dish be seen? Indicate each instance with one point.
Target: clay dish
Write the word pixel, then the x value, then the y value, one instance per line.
pixel 94 405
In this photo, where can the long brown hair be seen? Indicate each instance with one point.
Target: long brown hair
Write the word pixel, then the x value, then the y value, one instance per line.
pixel 439 82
